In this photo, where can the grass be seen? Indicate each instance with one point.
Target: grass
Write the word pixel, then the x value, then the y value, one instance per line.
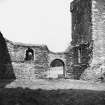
pixel 56 84
pixel 21 96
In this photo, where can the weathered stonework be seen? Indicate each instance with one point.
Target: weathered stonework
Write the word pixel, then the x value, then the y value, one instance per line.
pixel 98 33
pixel 84 58
pixel 39 66
pixel 81 36
pixel 97 66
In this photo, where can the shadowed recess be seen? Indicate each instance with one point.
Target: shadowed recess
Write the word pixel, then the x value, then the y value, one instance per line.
pixel 6 69
pixel 57 62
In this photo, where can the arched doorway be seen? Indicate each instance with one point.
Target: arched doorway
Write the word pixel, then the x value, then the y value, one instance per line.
pixel 57 63
pixel 29 54
pixel 57 68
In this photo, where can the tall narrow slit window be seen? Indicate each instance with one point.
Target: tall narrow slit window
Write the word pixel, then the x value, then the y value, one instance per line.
pixel 79 55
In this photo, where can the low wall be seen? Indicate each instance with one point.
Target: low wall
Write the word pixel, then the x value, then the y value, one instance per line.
pixel 27 71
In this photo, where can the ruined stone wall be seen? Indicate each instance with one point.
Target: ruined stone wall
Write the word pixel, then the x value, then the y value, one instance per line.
pixel 98 30
pixel 97 66
pixel 40 65
pixel 86 58
pixel 81 21
pixel 28 69
pixel 81 36
pixel 69 63
pixel 87 29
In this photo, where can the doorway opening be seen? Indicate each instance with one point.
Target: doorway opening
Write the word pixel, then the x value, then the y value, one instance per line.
pixel 57 69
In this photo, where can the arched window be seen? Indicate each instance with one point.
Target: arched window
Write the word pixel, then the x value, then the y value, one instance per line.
pixel 29 54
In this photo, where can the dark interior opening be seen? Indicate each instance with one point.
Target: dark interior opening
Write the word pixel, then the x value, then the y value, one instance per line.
pixel 29 54
pixel 57 63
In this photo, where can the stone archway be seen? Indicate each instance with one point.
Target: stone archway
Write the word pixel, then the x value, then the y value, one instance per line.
pixel 57 63
pixel 57 68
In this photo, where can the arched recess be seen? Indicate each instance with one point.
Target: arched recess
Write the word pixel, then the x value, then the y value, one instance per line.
pixel 58 63
pixel 29 54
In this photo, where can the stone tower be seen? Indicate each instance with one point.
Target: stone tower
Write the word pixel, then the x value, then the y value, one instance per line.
pixel 98 30
pixel 88 34
pixel 81 35
pixel 81 21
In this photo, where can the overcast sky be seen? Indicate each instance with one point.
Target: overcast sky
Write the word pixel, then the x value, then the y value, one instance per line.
pixel 37 22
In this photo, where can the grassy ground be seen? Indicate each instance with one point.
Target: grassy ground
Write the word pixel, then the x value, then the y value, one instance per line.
pixel 21 96
pixel 55 84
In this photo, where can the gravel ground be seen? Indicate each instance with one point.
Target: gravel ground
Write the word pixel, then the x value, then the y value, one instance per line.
pixel 57 84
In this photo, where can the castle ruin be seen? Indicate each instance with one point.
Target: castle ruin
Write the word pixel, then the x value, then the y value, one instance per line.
pixel 86 49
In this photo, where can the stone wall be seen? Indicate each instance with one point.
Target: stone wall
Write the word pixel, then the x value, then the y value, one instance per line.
pixel 81 21
pixel 81 36
pixel 40 65
pixel 88 30
pixel 98 27
pixel 69 62
pixel 79 60
pixel 97 66
pixel 28 69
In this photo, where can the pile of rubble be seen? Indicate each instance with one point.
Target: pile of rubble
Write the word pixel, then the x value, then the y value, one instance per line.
pixel 95 72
